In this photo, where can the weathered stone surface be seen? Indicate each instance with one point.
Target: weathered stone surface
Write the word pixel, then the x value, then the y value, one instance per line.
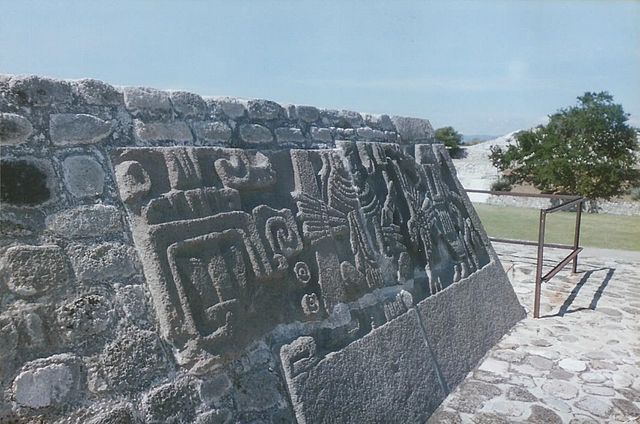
pixel 264 109
pixel 85 316
pixel 595 406
pixel 386 376
pixel 25 182
pixel 14 128
pixel 321 134
pixel 289 135
pixel 33 270
pixel 171 403
pixel 94 92
pixel 188 105
pixel 134 181
pixel 307 113
pixel 212 132
pixel 233 108
pixel 116 414
pixel 380 122
pixel 540 414
pixel 67 129
pixel 133 361
pixel 39 91
pixel 343 118
pixel 47 382
pixel 255 134
pixel 83 176
pixel 85 221
pixel 414 130
pixel 176 131
pixel 102 261
pixel 139 99
pixel 370 134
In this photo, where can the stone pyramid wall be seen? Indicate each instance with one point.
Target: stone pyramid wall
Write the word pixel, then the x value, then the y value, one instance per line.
pixel 172 258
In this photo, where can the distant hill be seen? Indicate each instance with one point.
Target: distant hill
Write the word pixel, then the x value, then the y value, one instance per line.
pixel 476 138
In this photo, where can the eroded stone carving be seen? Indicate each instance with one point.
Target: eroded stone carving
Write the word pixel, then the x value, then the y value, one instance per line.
pixel 235 248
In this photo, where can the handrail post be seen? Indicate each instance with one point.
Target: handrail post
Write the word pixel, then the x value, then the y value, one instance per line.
pixel 538 289
pixel 576 235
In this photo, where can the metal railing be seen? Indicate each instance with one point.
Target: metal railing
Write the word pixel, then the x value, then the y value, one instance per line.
pixel 575 248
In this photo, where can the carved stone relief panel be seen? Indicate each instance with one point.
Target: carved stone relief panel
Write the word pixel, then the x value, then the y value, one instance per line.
pixel 237 241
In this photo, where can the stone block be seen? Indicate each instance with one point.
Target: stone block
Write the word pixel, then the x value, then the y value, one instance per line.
pixel 133 361
pixel 97 93
pixel 255 134
pixel 85 221
pixel 343 118
pixel 120 413
pixel 143 99
pixel 39 91
pixel 83 176
pixel 232 107
pixel 85 316
pixel 462 322
pixel 14 129
pixel 25 182
pixel 134 181
pixel 386 376
pixel 33 270
pixel 69 129
pixel 174 402
pixel 289 135
pixel 48 382
pixel 321 134
pixel 379 122
pixel 369 134
pixel 212 132
pixel 102 261
pixel 307 113
pixel 414 130
pixel 264 109
pixel 187 105
pixel 176 131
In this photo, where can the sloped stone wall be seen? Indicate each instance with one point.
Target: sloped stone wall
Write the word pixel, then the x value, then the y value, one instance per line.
pixel 172 258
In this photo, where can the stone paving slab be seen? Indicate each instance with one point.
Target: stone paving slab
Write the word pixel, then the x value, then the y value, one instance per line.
pixel 579 363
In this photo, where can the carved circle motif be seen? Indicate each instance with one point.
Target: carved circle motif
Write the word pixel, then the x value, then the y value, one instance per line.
pixel 310 304
pixel 303 274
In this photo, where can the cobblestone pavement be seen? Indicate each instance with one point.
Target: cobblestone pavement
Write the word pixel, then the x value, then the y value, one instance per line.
pixel 580 363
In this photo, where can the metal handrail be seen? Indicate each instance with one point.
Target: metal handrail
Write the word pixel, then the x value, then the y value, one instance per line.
pixel 575 248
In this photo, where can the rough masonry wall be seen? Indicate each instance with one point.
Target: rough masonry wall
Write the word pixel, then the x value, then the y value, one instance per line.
pixel 172 258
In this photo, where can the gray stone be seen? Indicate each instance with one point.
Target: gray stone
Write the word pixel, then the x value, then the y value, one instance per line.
pixel 445 417
pixel 68 129
pixel 102 261
pixel 94 92
pixel 233 108
pixel 572 365
pixel 542 415
pixel 133 361
pixel 560 389
pixel 47 382
pixel 343 118
pixel 520 394
pixel 595 406
pixel 258 391
pixel 171 403
pixel 34 270
pixel 134 181
pixel 468 325
pixel 539 362
pixel 14 129
pixel 212 132
pixel 264 109
pixel 598 390
pixel 321 134
pixel 85 221
pixel 370 134
pixel 38 91
pixel 485 418
pixel 307 113
pixel 628 408
pixel 414 130
pixel 218 416
pixel 116 414
pixel 380 122
pixel 85 316
pixel 386 376
pixel 83 176
pixel 187 105
pixel 176 131
pixel 255 134
pixel 139 99
pixel 289 135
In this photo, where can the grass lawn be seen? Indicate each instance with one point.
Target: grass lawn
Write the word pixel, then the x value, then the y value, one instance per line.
pixel 597 230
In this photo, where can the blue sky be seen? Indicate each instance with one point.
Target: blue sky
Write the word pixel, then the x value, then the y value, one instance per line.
pixel 484 67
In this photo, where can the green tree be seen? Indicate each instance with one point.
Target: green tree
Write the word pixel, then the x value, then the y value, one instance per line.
pixel 587 149
pixel 450 138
